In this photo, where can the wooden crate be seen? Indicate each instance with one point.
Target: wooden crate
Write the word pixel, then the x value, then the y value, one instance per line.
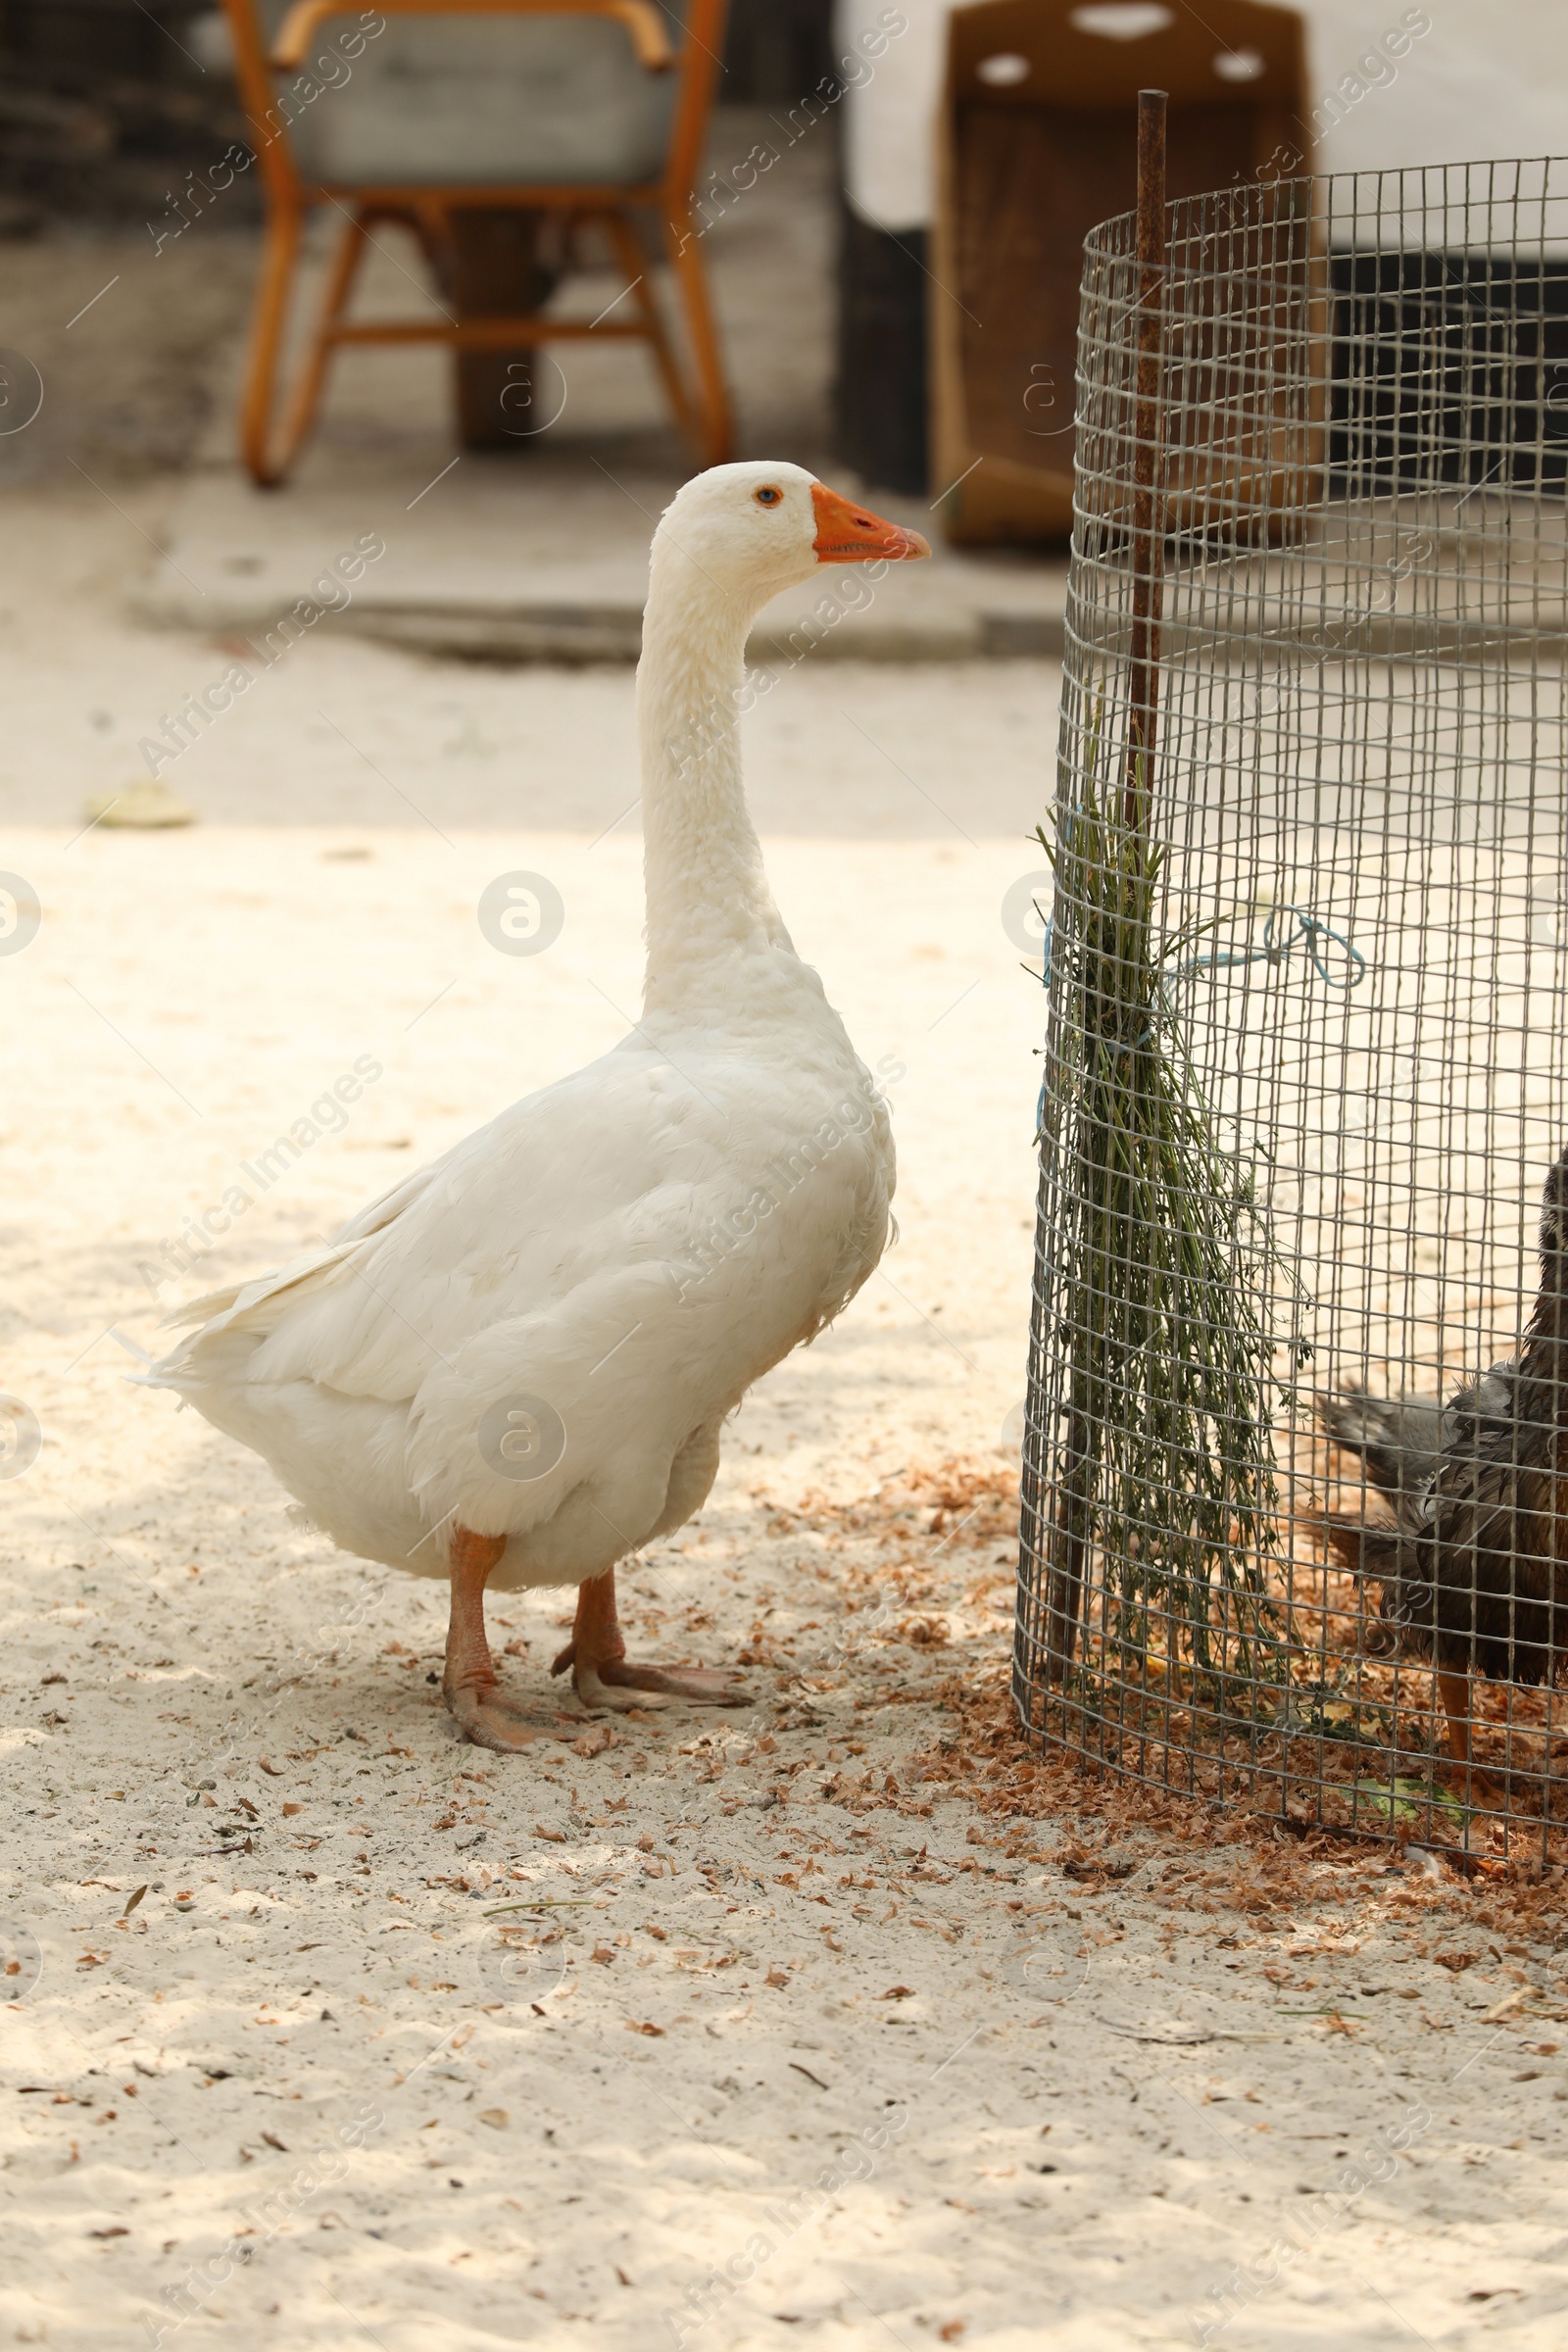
pixel 1036 144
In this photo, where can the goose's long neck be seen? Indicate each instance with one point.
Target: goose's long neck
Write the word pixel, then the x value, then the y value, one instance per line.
pixel 709 910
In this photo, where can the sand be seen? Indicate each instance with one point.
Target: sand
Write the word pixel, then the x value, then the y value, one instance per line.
pixel 829 2023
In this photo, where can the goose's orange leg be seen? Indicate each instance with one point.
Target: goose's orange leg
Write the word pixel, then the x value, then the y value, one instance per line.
pixel 468 1684
pixel 601 1677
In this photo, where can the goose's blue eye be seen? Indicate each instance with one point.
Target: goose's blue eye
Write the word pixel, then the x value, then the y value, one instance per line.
pixel 769 497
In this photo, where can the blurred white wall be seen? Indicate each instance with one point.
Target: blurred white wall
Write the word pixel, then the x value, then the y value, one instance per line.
pixel 1488 77
pixel 888 129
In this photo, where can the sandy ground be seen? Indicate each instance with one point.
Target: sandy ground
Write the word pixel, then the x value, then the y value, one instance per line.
pixel 833 2023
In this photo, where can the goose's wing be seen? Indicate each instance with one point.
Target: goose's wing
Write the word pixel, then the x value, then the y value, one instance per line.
pixel 221 1310
pixel 596 1169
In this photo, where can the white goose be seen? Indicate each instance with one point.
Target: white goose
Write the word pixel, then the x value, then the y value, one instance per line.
pixel 515 1368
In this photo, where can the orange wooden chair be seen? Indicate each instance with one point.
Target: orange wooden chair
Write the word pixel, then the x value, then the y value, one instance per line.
pixel 573 110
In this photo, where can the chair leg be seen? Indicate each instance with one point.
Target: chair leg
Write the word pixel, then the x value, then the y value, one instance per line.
pixel 279 255
pixel 633 260
pixel 300 414
pixel 269 462
pixel 715 427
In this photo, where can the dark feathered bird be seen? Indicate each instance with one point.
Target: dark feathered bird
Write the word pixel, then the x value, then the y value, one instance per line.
pixel 1475 1568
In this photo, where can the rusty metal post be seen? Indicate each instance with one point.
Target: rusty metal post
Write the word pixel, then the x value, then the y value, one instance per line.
pixel 1148 526
pixel 1066 1591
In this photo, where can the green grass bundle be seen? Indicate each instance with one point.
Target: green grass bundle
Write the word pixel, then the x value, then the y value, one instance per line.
pixel 1161 1273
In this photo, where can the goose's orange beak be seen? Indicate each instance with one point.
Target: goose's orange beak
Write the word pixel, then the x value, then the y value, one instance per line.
pixel 849 535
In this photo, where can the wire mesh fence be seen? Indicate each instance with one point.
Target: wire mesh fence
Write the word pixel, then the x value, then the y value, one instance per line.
pixel 1295 1526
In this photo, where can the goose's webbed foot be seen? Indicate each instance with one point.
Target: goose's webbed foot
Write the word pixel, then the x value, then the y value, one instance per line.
pixel 603 1677
pixel 487 1721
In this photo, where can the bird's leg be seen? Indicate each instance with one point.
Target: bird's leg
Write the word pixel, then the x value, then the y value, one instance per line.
pixel 1454 1691
pixel 469 1680
pixel 601 1675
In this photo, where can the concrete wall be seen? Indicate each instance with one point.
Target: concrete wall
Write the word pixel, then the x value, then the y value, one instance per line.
pixel 1490 79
